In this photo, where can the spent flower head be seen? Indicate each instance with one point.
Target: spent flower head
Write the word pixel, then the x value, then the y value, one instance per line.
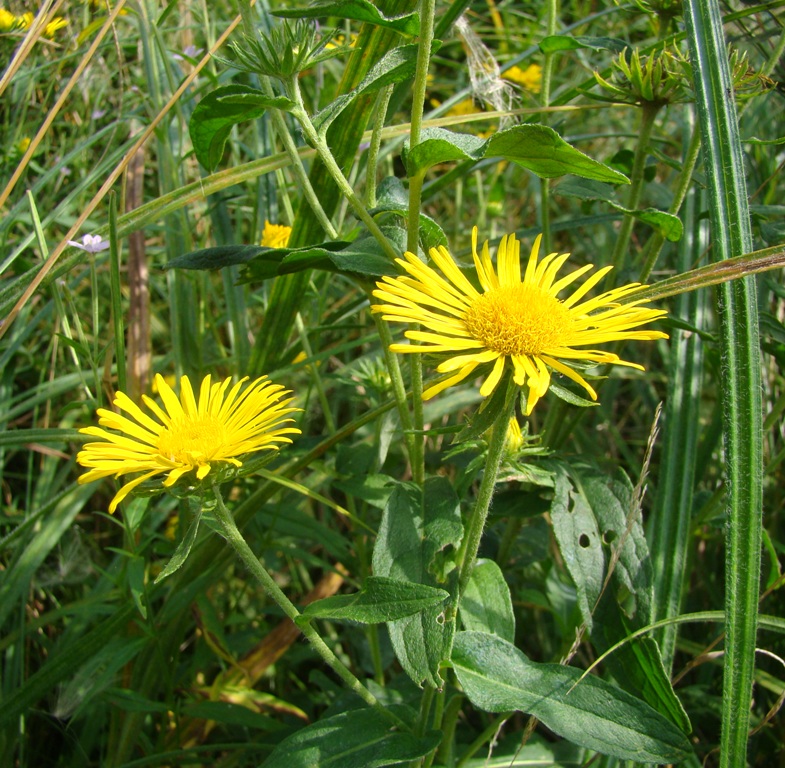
pixel 658 79
pixel 285 51
pixel 516 320
pixel 187 438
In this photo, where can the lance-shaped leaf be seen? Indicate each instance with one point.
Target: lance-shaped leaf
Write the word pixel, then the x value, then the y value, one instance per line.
pixel 360 738
pixel 592 713
pixel 418 525
pixel 534 147
pixel 593 512
pixel 357 10
pixel 486 604
pixel 218 112
pixel 381 599
pixel 668 225
pixel 394 67
pixel 556 43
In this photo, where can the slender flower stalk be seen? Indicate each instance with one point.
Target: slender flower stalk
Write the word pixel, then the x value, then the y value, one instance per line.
pixel 232 534
pixel 516 320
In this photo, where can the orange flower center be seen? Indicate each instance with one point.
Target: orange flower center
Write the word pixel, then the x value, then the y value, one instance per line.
pixel 517 320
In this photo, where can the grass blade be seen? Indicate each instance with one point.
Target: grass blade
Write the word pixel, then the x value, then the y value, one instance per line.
pixel 740 348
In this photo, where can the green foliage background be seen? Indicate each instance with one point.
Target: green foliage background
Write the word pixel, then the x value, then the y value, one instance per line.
pixel 102 666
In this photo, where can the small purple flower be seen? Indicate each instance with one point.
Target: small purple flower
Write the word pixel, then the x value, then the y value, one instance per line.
pixel 190 52
pixel 91 244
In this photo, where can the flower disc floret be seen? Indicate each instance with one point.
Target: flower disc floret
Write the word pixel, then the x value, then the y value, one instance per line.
pixel 184 436
pixel 516 320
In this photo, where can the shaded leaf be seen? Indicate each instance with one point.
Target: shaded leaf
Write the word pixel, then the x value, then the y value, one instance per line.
pixel 556 43
pixel 357 10
pixel 534 147
pixel 397 65
pixel 218 112
pixel 417 526
pixel 360 738
pixel 497 677
pixel 486 604
pixel 381 599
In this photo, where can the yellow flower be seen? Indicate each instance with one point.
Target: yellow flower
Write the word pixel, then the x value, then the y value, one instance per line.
pixel 514 440
pixel 7 20
pixel 58 22
pixel 515 318
pixel 25 20
pixel 530 78
pixel 185 436
pixel 275 235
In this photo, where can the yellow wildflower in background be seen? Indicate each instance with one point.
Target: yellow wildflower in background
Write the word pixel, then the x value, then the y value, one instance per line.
pixel 58 22
pixel 185 435
pixel 513 318
pixel 275 235
pixel 7 20
pixel 529 79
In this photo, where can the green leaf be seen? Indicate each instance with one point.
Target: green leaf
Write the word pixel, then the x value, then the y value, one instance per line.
pixel 394 67
pixel 363 257
pixel 393 198
pixel 542 151
pixel 217 257
pixel 360 738
pixel 418 526
pixel 497 677
pixel 216 114
pixel 668 225
pixel 570 397
pixel 357 10
pixel 534 147
pixel 182 551
pixel 488 413
pixel 580 543
pixel 556 43
pixel 381 599
pixel 486 604
pixel 438 145
pixel 624 604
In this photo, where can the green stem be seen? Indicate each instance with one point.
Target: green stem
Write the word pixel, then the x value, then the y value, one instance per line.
pixel 657 240
pixel 382 102
pixel 399 388
pixel 545 98
pixel 427 9
pixel 417 458
pixel 297 165
pixel 316 140
pixel 232 534
pixel 476 524
pixel 648 114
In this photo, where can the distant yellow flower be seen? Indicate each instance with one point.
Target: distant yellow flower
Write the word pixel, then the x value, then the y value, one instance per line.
pixel 25 20
pixel 513 318
pixel 275 235
pixel 22 145
pixel 7 20
pixel 58 22
pixel 530 78
pixel 185 435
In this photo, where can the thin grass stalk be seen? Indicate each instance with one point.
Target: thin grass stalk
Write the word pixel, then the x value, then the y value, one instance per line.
pixel 670 523
pixel 43 271
pixel 740 347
